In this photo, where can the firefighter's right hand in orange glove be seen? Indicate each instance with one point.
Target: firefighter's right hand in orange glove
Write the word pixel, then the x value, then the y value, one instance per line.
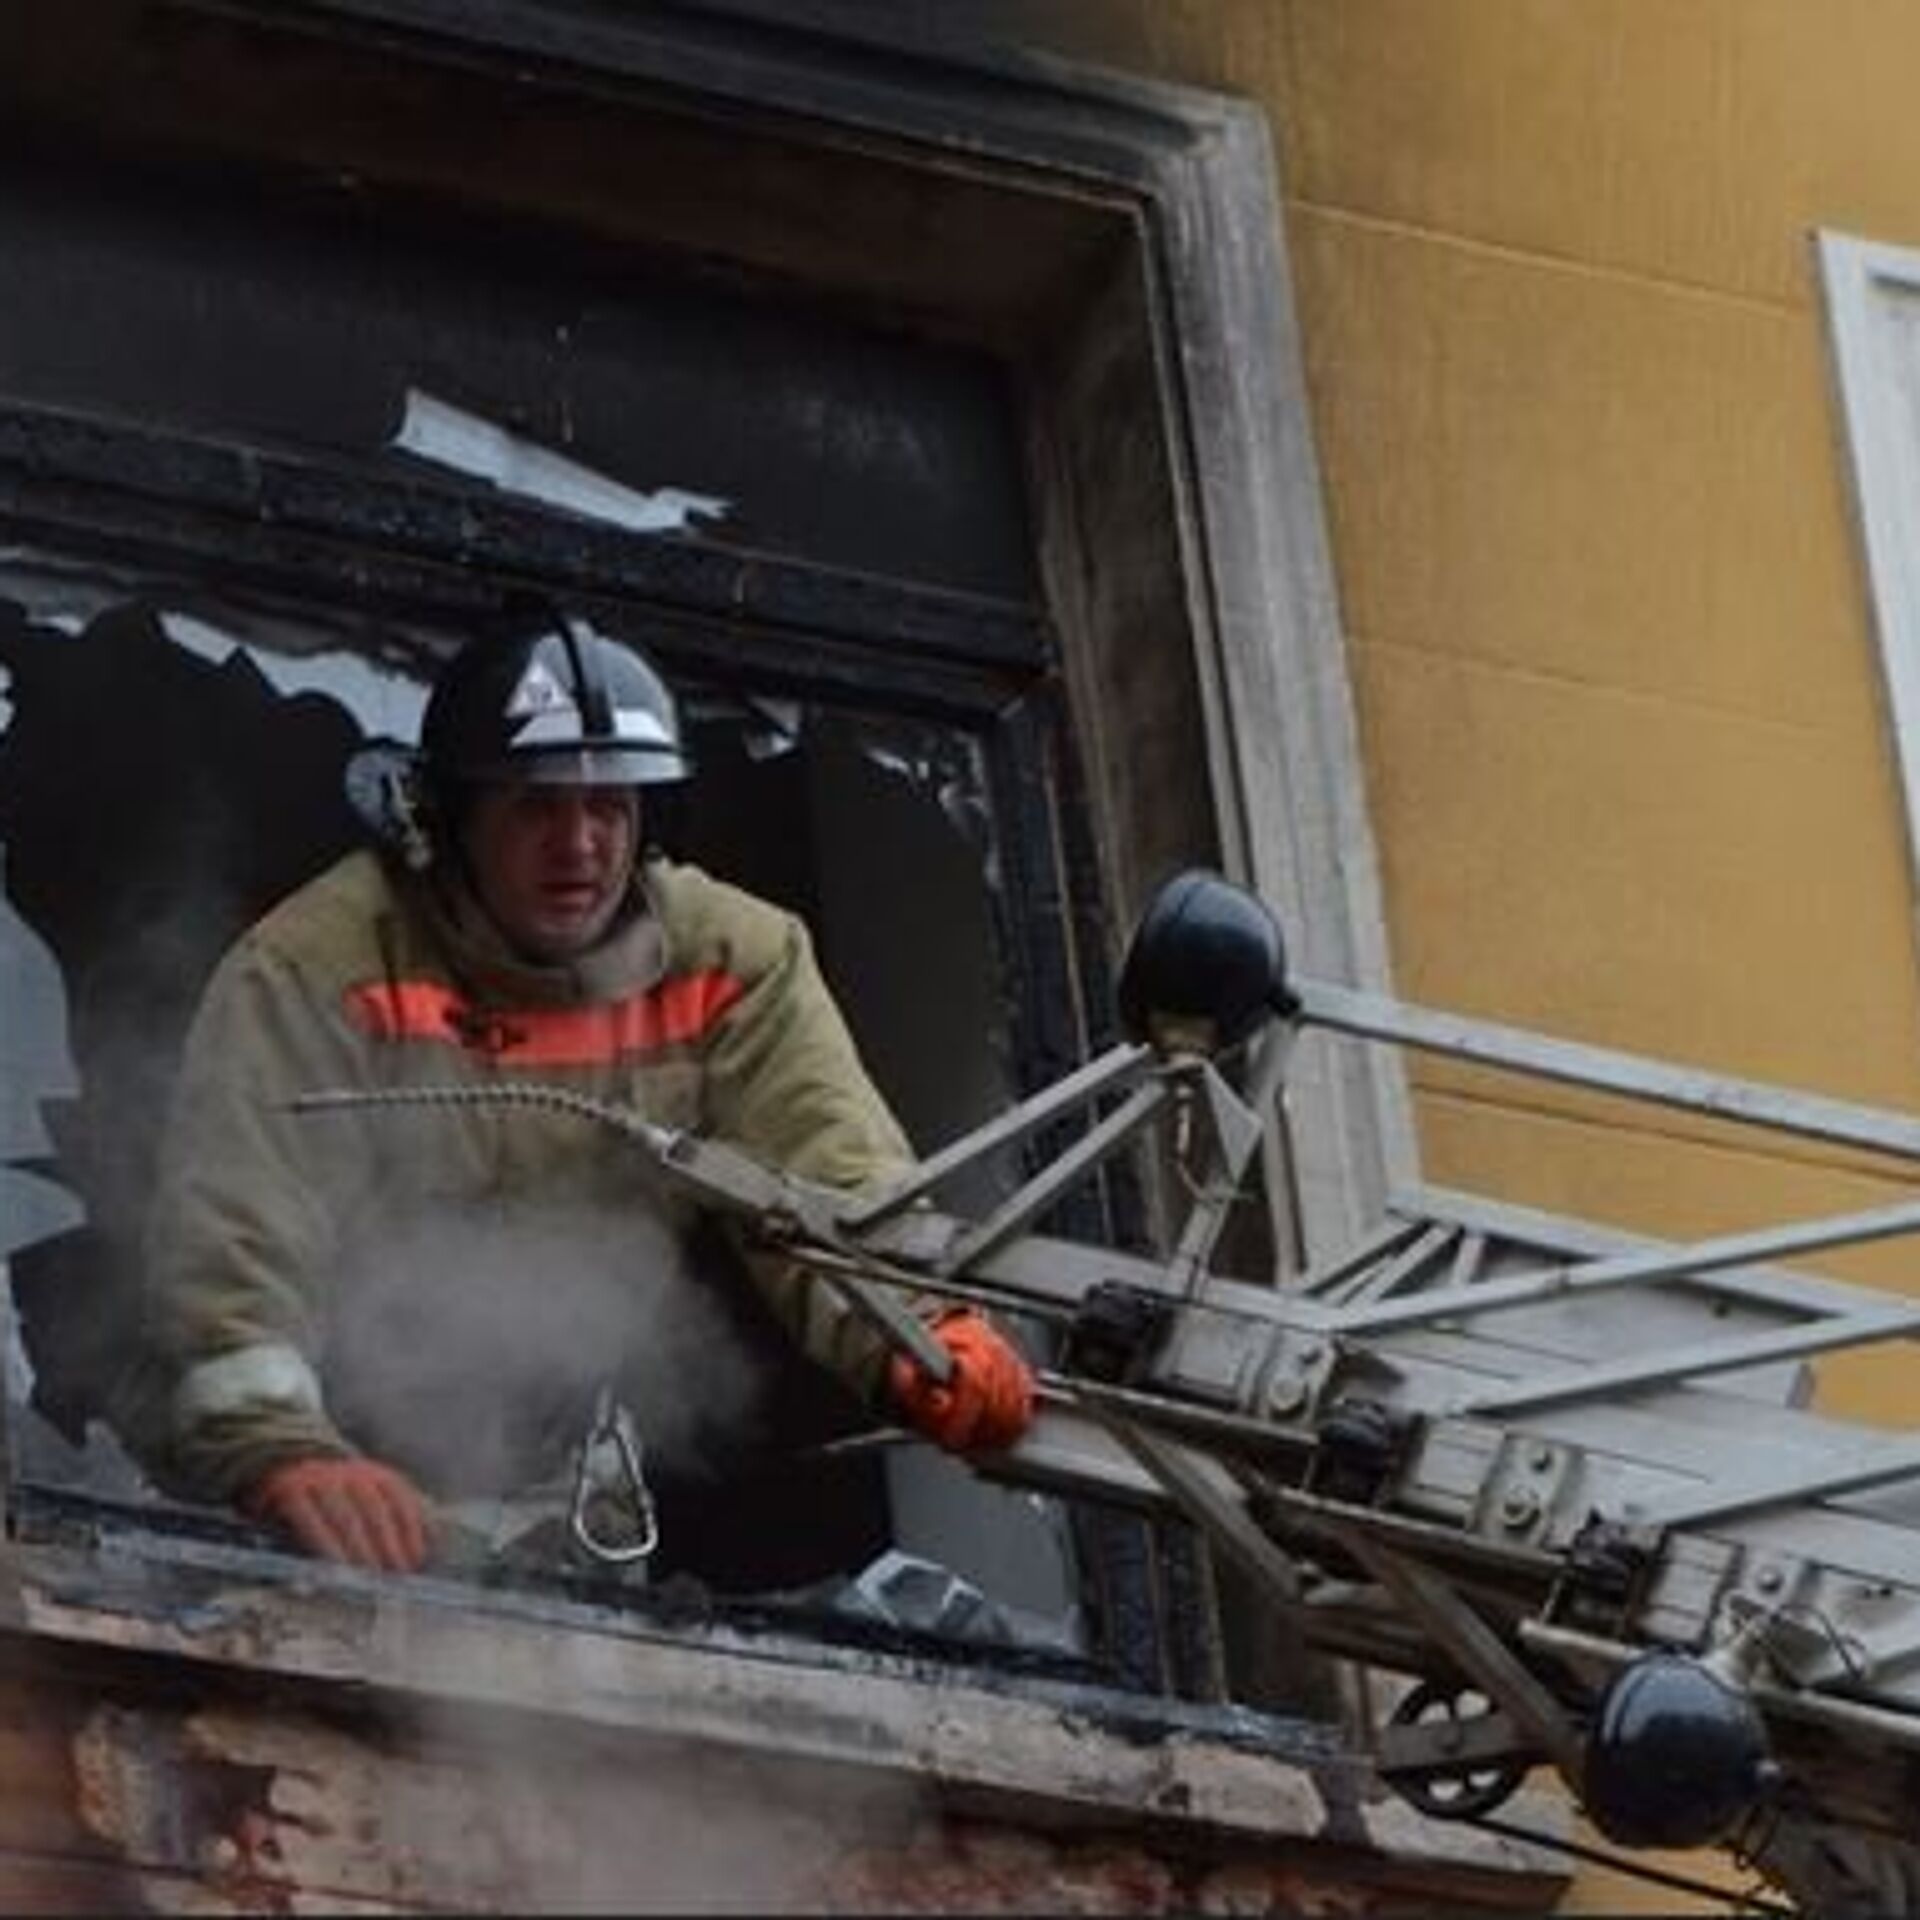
pixel 355 1510
pixel 988 1402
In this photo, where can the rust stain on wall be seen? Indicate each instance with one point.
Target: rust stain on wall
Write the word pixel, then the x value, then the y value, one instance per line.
pixel 968 1867
pixel 235 1809
pixel 164 1796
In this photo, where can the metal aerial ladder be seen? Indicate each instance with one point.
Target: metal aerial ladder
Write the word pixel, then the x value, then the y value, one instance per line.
pixel 1536 1470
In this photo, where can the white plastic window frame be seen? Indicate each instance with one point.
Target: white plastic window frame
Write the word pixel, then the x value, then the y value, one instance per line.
pixel 1871 289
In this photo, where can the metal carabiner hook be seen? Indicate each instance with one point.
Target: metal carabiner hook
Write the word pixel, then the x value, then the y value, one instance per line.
pixel 613 1427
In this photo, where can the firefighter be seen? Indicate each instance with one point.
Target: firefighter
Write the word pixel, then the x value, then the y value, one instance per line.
pixel 365 1318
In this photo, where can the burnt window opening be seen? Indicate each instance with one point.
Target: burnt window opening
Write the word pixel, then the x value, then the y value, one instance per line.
pixel 1095 262
pixel 215 704
pixel 164 779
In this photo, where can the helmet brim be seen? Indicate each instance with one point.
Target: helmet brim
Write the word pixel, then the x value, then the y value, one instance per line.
pixel 623 766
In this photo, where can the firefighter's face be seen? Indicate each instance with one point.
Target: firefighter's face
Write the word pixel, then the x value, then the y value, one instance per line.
pixel 551 863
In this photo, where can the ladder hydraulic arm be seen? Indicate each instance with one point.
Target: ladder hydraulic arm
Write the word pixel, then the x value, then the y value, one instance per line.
pixel 1559 1478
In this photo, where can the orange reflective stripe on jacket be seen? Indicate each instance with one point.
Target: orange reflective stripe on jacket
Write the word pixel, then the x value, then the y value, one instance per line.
pixel 677 1012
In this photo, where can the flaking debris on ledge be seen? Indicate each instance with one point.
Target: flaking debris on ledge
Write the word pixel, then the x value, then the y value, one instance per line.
pixel 223 1729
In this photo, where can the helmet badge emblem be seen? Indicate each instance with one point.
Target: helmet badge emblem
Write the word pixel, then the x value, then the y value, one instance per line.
pixel 538 692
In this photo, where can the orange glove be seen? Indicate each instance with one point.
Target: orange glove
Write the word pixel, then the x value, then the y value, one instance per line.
pixel 987 1403
pixel 357 1510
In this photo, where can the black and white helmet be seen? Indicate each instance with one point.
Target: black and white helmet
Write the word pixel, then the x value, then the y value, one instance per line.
pixel 548 699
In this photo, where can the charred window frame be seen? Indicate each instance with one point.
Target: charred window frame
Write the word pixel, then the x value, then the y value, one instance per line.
pixel 1116 242
pixel 390 570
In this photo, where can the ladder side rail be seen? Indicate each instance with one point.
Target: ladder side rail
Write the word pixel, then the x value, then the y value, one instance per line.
pixel 1374 1016
pixel 1340 1269
pixel 1880 1464
pixel 1727 1354
pixel 1033 1197
pixel 1404 1272
pixel 1554 1239
pixel 1659 1263
pixel 1109 1072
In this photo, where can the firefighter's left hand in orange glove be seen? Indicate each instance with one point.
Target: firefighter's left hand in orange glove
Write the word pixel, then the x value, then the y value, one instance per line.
pixel 987 1403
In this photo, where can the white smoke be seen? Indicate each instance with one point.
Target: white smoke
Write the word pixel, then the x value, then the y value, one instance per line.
pixel 468 1338
pixel 669 1826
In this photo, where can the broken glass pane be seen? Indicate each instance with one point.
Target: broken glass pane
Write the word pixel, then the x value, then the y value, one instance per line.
pixel 172 765
pixel 134 778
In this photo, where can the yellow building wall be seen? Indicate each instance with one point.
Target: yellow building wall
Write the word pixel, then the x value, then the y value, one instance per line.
pixel 1623 730
pixel 1624 736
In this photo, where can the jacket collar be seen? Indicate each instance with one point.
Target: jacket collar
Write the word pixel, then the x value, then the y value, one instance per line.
pixel 629 958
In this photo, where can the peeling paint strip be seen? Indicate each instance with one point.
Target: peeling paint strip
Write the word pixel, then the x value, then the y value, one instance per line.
pixel 450 437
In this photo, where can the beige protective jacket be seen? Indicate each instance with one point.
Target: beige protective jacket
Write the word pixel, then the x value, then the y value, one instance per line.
pixel 332 1283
